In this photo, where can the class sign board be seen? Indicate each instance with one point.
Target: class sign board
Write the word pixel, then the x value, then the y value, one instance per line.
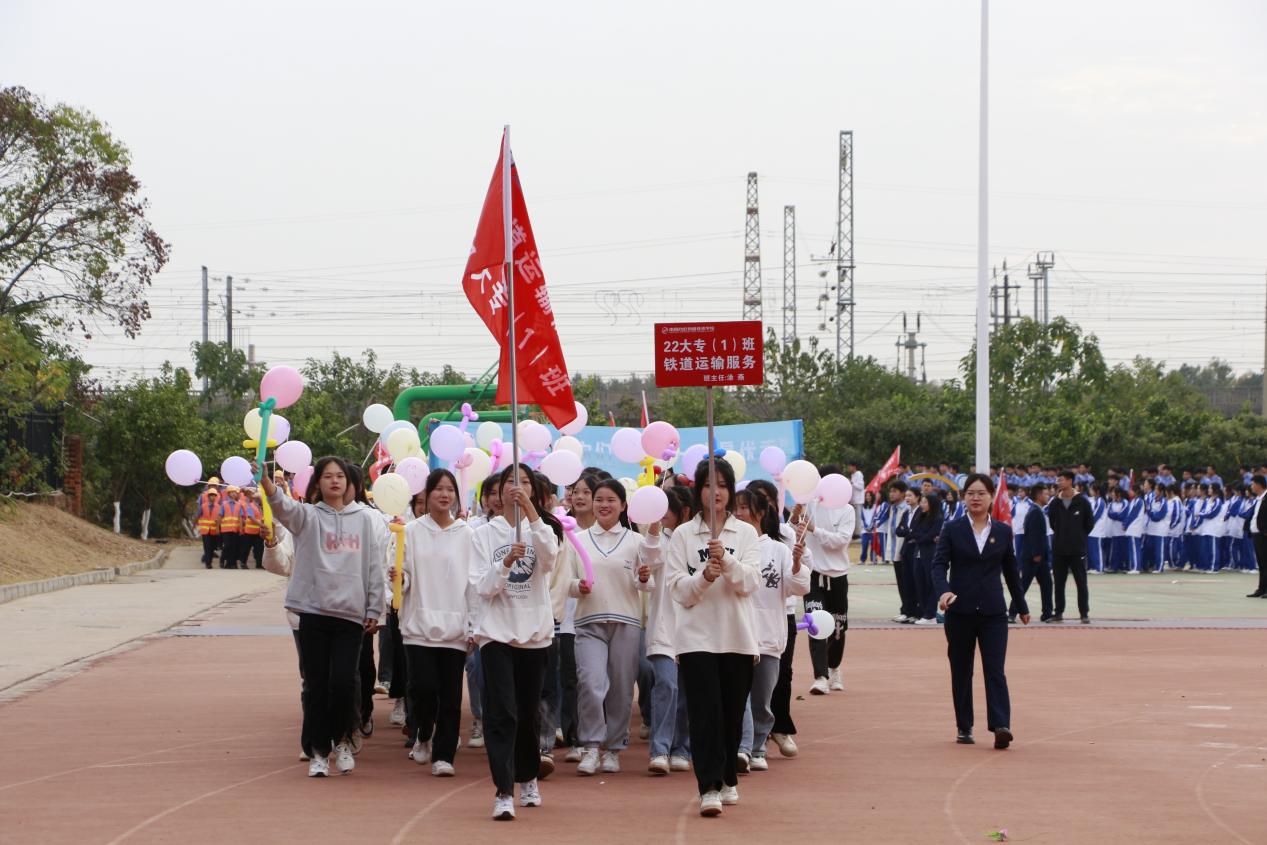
pixel 708 354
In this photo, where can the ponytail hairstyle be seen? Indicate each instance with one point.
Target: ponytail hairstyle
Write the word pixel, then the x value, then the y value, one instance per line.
pixel 356 479
pixel 508 476
pixel 313 494
pixel 679 504
pixel 760 508
pixel 619 489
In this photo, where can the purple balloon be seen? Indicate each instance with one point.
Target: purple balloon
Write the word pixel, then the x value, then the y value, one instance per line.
pixel 773 460
pixel 447 443
pixel 278 429
pixel 691 458
pixel 414 471
pixel 184 467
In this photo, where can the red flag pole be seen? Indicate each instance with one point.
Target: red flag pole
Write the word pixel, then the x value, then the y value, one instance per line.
pixel 509 275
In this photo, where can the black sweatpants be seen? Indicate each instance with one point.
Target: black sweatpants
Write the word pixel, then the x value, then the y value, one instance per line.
pixel 904 572
pixel 781 699
pixel 964 633
pixel 717 688
pixel 1042 572
pixel 435 696
pixel 365 677
pixel 567 680
pixel 831 595
pixel 1061 566
pixel 512 714
pixel 209 548
pixel 251 545
pixel 395 647
pixel 329 649
pixel 229 551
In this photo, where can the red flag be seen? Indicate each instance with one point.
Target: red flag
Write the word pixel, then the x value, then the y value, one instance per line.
pixel 611 419
pixel 543 374
pixel 887 471
pixel 646 418
pixel 1001 510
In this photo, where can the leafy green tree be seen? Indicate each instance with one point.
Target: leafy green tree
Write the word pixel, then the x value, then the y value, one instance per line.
pixel 75 244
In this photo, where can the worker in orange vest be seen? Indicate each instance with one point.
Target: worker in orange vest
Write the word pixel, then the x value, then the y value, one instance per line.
pixel 231 528
pixel 209 523
pixel 251 540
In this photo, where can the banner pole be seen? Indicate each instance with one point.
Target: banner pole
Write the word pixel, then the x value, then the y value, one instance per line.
pixel 509 275
pixel 712 465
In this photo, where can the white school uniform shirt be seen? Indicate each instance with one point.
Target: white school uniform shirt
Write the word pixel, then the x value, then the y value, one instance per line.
pixel 830 539
pixel 1136 528
pixel 716 616
pixel 661 616
pixel 1156 527
pixel 1098 514
pixel 859 487
pixel 1211 510
pixel 1177 517
pixel 1253 522
pixel 1113 528
pixel 775 587
pixel 1019 511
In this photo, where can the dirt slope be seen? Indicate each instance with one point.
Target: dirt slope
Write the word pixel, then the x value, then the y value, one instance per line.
pixel 39 541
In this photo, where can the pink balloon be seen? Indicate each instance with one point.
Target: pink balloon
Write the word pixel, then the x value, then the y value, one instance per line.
pixel 834 491
pixel 283 384
pixel 184 467
pixel 414 471
pixel 301 480
pixel 660 438
pixel 447 443
pixel 648 505
pixel 293 455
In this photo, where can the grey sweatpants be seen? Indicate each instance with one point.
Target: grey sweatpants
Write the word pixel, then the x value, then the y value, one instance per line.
pixel 607 655
pixel 758 718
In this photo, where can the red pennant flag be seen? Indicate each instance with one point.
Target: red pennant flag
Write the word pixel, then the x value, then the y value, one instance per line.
pixel 1001 509
pixel 646 418
pixel 887 471
pixel 543 374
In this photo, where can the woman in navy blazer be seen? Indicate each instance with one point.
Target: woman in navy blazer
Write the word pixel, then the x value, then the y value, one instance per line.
pixel 979 555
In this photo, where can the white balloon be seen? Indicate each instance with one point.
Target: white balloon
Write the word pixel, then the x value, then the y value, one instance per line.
pixel 481 465
pixel 487 433
pixel 631 486
pixel 824 622
pixel 391 494
pixel 575 426
pixel 533 436
pixel 567 443
pixel 800 478
pixel 627 445
pixel 562 468
pixel 293 456
pixel 377 417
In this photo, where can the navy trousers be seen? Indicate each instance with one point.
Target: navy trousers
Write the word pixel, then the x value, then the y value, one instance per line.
pixel 965 633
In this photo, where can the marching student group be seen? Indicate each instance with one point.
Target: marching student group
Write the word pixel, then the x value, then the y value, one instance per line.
pixel 704 628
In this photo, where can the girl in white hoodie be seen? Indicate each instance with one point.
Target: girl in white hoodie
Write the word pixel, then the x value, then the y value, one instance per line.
pixel 609 626
pixel 712 581
pixel 784 575
pixel 336 588
pixel 669 737
pixel 437 611
pixel 516 623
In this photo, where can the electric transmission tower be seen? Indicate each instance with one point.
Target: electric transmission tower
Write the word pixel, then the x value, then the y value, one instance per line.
pixel 1042 291
pixel 752 255
pixel 908 343
pixel 789 274
pixel 841 253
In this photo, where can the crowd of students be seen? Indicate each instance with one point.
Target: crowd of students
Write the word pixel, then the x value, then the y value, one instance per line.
pixel 698 612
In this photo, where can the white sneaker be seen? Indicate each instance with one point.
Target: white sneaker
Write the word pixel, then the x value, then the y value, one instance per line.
pixel 819 687
pixel 303 756
pixel 759 764
pixel 504 808
pixel 925 621
pixel 574 755
pixel 679 764
pixel 398 713
pixel 644 732
pixel 611 762
pixel 356 741
pixel 319 767
pixel 710 803
pixel 730 795
pixel 834 681
pixel 589 762
pixel 901 617
pixel 743 763
pixel 421 753
pixel 529 794
pixel 477 734
pixel 367 727
pixel 441 769
pixel 380 688
pixel 659 765
pixel 787 745
pixel 343 759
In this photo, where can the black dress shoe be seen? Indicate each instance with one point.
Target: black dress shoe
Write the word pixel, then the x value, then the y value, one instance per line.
pixel 965 738
pixel 1257 594
pixel 1011 619
pixel 1086 620
pixel 1057 617
pixel 1002 737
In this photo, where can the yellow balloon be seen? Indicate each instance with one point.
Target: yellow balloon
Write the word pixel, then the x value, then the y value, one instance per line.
pixel 391 494
pixel 737 463
pixel 404 443
pixel 252 424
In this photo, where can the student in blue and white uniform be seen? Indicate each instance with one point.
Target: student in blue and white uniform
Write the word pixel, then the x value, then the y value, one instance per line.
pixel 868 515
pixel 1115 532
pixel 1156 516
pixel 1095 540
pixel 1175 527
pixel 1020 508
pixel 1210 528
pixel 1133 521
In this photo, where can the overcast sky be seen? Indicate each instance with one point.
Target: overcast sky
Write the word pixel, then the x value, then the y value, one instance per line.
pixel 336 155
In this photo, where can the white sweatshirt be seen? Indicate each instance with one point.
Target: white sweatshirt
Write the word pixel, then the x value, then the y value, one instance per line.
pixel 514 603
pixel 615 555
pixel 787 535
pixel 438 600
pixel 713 616
pixel 280 560
pixel 775 587
pixel 661 617
pixel 830 539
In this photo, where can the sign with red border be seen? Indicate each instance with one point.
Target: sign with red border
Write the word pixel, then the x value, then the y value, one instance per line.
pixel 709 354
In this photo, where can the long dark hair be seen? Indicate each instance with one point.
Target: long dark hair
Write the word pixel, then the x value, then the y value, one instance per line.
pixel 591 484
pixel 433 481
pixel 619 489
pixel 356 478
pixel 509 474
pixel 313 494
pixel 769 492
pixel 679 504
pixel 762 510
pixel 726 473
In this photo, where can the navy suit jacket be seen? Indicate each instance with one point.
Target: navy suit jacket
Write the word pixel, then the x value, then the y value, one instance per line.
pixel 1034 542
pixel 976 578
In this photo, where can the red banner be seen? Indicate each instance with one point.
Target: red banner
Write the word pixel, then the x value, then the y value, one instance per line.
pixel 708 354
pixel 887 471
pixel 543 374
pixel 1001 509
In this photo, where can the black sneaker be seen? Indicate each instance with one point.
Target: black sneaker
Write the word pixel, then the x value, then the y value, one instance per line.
pixel 964 737
pixel 1011 619
pixel 1085 620
pixel 1002 737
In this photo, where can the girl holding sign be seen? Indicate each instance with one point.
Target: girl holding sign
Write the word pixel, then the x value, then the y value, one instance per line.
pixel 712 580
pixel 336 587
pixel 437 613
pixel 516 623
pixel 609 625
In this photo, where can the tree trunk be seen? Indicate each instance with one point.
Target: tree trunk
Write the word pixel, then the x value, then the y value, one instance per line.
pixel 118 518
pixel 145 524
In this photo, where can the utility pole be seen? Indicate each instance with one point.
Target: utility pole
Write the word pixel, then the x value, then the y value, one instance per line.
pixel 228 309
pixel 1046 261
pixel 752 255
pixel 908 343
pixel 205 336
pixel 789 274
pixel 994 298
pixel 1035 274
pixel 1007 286
pixel 1264 410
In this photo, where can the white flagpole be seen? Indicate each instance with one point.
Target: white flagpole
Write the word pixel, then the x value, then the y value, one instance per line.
pixel 509 276
pixel 983 249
